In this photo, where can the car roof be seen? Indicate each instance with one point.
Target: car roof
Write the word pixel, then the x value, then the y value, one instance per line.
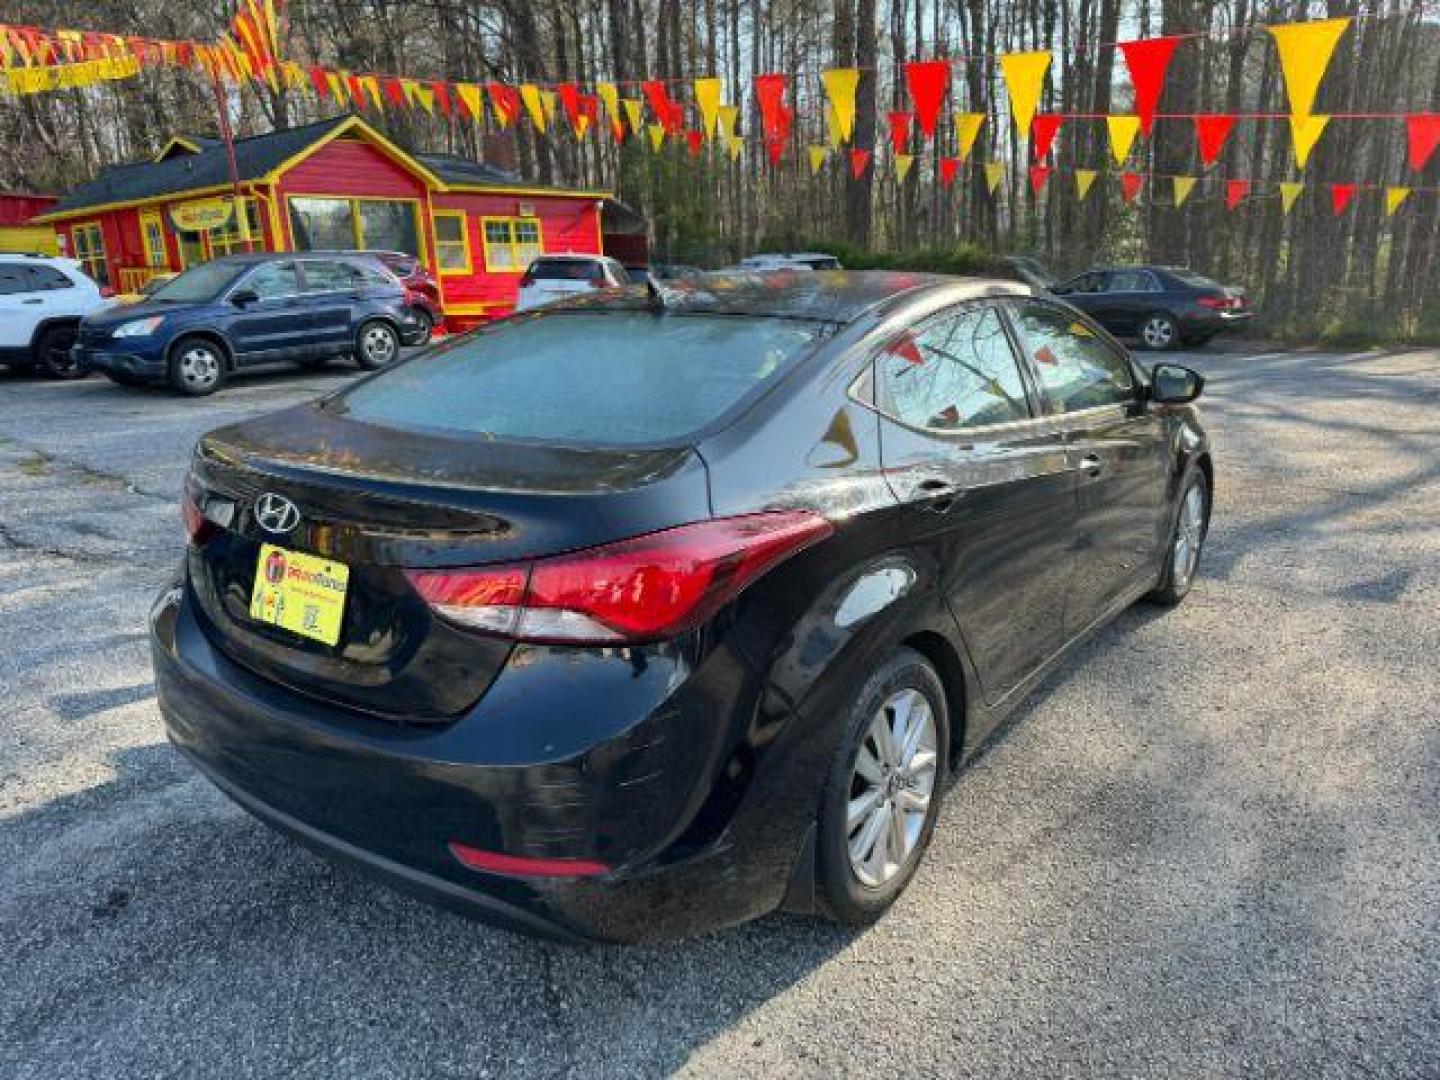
pixel 826 295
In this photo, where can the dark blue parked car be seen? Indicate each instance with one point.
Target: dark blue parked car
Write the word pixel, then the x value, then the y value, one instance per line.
pixel 243 310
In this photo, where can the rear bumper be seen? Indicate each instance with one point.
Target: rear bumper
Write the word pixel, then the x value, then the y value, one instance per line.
pixel 653 800
pixel 1205 321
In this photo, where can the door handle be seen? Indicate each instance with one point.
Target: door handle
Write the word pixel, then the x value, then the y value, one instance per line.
pixel 35 300
pixel 938 494
pixel 1092 464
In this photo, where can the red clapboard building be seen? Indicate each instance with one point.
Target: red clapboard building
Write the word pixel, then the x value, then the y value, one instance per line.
pixel 336 184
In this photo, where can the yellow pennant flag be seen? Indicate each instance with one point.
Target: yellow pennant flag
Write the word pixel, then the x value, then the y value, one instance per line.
pixel 994 173
pixel 1084 179
pixel 610 95
pixel 1123 130
pixel 902 166
pixel 635 113
pixel 657 136
pixel 817 158
pixel 1289 192
pixel 530 95
pixel 967 129
pixel 426 96
pixel 707 99
pixel 295 77
pixel 840 85
pixel 1305 51
pixel 1306 131
pixel 469 95
pixel 1394 196
pixel 729 117
pixel 582 125
pixel 337 86
pixel 1183 186
pixel 1024 78
pixel 734 144
pixel 548 103
pixel 371 84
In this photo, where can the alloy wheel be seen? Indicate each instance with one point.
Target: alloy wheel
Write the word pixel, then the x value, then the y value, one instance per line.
pixel 891 787
pixel 1189 535
pixel 199 367
pixel 378 345
pixel 1158 332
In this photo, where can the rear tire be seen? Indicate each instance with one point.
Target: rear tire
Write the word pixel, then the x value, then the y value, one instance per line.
pixel 377 345
pixel 197 367
pixel 881 799
pixel 53 356
pixel 1159 331
pixel 424 325
pixel 1187 541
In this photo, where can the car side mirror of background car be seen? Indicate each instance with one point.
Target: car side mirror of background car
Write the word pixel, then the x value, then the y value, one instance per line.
pixel 241 297
pixel 1171 384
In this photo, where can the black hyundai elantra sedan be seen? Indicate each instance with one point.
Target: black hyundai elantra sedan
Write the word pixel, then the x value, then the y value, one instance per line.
pixel 661 609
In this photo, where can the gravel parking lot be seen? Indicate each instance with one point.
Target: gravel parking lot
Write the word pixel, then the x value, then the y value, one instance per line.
pixel 1209 846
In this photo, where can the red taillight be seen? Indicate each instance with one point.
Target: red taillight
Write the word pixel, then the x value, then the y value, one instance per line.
pixel 493 862
pixel 527 279
pixel 1218 303
pixel 198 528
pixel 649 588
pixel 107 292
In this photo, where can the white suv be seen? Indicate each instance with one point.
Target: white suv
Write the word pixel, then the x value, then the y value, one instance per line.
pixel 554 277
pixel 791 260
pixel 42 301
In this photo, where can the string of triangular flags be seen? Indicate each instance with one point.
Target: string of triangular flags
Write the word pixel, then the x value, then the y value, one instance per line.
pixel 33 60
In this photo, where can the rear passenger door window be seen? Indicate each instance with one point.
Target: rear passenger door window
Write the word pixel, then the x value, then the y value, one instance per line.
pixel 48 279
pixel 326 276
pixel 13 279
pixel 954 371
pixel 1077 368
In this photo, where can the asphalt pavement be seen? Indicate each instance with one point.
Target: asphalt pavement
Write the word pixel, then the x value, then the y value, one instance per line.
pixel 1209 846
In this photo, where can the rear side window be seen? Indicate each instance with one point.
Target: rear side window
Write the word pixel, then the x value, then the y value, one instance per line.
pixel 606 377
pixel 326 276
pixel 46 278
pixel 1133 281
pixel 1077 369
pixel 13 279
pixel 954 371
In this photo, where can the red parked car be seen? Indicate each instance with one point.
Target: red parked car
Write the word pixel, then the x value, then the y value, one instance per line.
pixel 422 291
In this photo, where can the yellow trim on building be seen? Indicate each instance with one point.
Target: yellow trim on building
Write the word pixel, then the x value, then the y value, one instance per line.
pixel 517 252
pixel 154 257
pixel 354 123
pixel 467 263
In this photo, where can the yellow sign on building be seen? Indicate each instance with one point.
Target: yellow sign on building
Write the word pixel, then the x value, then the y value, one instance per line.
pixel 205 215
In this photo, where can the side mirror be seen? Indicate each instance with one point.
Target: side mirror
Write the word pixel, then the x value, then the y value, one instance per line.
pixel 242 297
pixel 1171 384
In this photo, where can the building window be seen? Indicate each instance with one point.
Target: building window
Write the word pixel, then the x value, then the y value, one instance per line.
pixel 152 235
pixel 232 237
pixel 452 242
pixel 321 224
pixel 90 250
pixel 511 244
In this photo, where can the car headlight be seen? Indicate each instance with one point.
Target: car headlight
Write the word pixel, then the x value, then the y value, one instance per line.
pixel 139 327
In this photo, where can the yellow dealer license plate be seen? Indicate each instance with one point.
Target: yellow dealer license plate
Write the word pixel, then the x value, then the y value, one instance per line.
pixel 303 593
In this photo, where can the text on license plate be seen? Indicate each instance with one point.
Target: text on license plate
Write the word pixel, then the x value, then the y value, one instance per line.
pixel 305 594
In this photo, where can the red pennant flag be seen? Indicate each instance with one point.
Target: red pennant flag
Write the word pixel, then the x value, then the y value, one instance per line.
pixel 1235 192
pixel 1043 130
pixel 1130 184
pixel 859 162
pixel 696 140
pixel 357 91
pixel 1038 175
pixel 1148 60
pixel 949 166
pixel 929 82
pixel 442 97
pixel 673 119
pixel 774 148
pixel 617 131
pixel 394 91
pixel 899 130
pixel 658 97
pixel 769 95
pixel 570 101
pixel 1212 131
pixel 319 80
pixel 1340 196
pixel 505 99
pixel 1423 131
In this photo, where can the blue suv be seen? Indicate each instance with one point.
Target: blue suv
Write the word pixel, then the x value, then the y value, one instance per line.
pixel 242 310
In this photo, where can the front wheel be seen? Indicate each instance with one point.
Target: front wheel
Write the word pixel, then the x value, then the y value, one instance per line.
pixel 1183 555
pixel 1159 332
pixel 53 355
pixel 197 367
pixel 376 345
pixel 883 790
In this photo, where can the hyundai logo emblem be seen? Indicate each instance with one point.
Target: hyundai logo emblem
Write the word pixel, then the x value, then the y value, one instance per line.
pixel 275 513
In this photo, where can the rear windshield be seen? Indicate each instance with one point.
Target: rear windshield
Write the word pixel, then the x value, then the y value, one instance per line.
pixel 1190 277
pixel 566 270
pixel 608 377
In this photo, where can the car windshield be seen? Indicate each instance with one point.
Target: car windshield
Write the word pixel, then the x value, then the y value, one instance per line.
pixel 1190 277
pixel 204 282
pixel 566 270
pixel 598 377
